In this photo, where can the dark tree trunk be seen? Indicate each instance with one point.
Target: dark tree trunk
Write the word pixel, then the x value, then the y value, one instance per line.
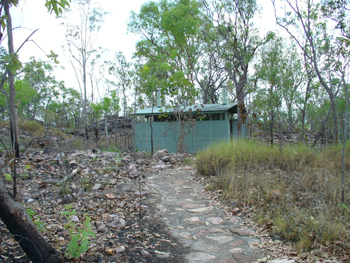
pixel 12 102
pixel 241 115
pixel 271 127
pixel 303 111
pixel 151 125
pixel 322 129
pixel 24 230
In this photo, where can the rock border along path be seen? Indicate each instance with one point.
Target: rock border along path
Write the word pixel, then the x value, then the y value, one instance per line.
pixel 208 232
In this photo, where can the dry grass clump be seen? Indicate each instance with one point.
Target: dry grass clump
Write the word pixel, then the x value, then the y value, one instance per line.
pixel 4 123
pixel 32 127
pixel 295 193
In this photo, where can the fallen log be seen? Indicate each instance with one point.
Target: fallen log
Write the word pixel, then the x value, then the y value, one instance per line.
pixel 24 230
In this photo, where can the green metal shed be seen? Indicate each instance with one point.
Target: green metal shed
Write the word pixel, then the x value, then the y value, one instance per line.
pixel 217 123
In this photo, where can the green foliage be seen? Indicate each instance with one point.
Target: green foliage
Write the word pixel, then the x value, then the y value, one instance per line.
pixel 118 160
pixel 168 47
pixel 13 63
pixel 186 15
pixel 57 6
pixel 110 148
pixel 79 235
pixel 188 160
pixel 65 189
pixel 108 105
pixel 8 177
pixel 36 219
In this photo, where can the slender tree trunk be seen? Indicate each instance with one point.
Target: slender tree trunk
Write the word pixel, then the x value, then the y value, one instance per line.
pixel 303 111
pixel 322 129
pixel 151 125
pixel 290 118
pixel 24 230
pixel 345 136
pixel 106 128
pixel 326 87
pixel 241 115
pixel 85 100
pixel 272 116
pixel 271 127
pixel 279 130
pixel 335 122
pixel 12 104
pixel 239 83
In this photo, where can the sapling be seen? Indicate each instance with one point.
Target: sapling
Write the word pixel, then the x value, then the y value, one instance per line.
pixel 79 235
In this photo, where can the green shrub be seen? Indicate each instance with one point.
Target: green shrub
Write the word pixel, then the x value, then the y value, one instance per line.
pixel 32 127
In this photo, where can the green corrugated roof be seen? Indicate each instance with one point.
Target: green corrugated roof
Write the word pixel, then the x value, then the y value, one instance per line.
pixel 205 108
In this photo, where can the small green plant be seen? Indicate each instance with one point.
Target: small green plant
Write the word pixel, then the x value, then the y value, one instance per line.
pixel 8 177
pixel 343 208
pixel 79 235
pixel 118 160
pixel 109 169
pixel 25 176
pixel 110 149
pixel 85 183
pixel 188 160
pixel 35 219
pixel 95 159
pixel 65 189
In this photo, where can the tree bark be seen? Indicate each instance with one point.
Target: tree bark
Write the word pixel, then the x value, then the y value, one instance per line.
pixel 345 137
pixel 241 116
pixel 24 230
pixel 12 102
pixel 322 129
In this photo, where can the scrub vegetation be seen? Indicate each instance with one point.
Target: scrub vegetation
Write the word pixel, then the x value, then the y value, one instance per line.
pixel 295 193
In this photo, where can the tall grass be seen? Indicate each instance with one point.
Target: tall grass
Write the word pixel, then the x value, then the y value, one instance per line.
pixel 298 189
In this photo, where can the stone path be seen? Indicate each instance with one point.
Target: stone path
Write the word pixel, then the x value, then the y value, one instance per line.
pixel 192 217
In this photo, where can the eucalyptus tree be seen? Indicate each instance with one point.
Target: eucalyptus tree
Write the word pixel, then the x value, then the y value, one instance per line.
pixel 314 41
pixel 237 41
pixel 168 46
pixel 122 70
pixel 38 75
pixel 13 64
pixel 268 73
pixel 64 109
pixel 12 213
pixel 108 105
pixel 81 44
pixel 309 84
pixel 210 71
pixel 338 11
pixel 293 76
pixel 169 51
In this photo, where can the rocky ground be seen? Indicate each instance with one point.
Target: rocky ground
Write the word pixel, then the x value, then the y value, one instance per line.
pixel 142 209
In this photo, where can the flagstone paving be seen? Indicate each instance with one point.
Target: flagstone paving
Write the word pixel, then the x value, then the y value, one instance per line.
pixel 207 231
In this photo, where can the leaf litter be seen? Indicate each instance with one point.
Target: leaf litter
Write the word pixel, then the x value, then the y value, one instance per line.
pixel 112 190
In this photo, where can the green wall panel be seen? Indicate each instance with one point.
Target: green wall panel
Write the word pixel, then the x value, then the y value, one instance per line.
pixel 166 135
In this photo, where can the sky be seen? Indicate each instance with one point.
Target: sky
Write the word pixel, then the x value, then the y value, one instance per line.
pixel 32 14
